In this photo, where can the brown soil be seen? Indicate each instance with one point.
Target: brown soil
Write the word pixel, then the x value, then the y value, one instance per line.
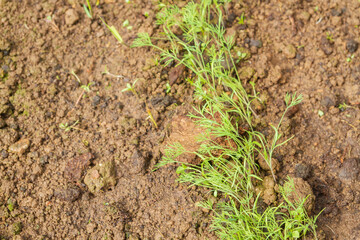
pixel 304 48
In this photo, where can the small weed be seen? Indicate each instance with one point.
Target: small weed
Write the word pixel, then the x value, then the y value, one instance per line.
pixel 203 48
pixel 300 46
pixel 88 9
pixel 131 88
pixel 316 9
pixel 320 113
pixel 329 37
pixel 146 14
pixel 168 88
pixel 241 20
pixel 150 116
pixel 114 32
pixel 126 24
pixel 349 59
pixel 241 56
pixel 106 72
pixel 66 127
pixel 344 106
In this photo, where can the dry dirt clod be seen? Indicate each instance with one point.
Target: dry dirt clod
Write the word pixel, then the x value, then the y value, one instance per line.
pixel 290 51
pixel 71 17
pixel 302 170
pixel 138 162
pixel 275 165
pixel 269 195
pixel 185 132
pixel 301 191
pixel 20 147
pixel 101 177
pixel 70 194
pixel 349 170
pixel 75 166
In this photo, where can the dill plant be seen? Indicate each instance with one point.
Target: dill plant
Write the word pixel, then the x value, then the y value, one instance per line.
pixel 228 170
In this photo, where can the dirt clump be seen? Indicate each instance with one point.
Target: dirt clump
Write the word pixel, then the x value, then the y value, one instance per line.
pixel 101 177
pixel 302 190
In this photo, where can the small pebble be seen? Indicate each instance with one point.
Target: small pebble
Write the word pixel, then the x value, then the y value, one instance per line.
pixel 95 100
pixel 352 45
pixel 71 17
pixel 256 43
pixel 302 171
pixel 290 51
pixel 20 147
pixel 4 154
pixel 349 170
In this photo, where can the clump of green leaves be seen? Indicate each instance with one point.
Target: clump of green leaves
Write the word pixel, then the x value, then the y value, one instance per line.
pixel 228 170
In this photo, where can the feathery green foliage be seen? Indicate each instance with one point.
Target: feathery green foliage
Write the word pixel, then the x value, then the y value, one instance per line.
pixel 229 170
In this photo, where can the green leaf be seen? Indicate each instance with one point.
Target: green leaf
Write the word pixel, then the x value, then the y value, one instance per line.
pixel 114 32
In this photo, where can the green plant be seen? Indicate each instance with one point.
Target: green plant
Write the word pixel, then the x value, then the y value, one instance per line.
pixel 349 59
pixel 114 32
pixel 66 127
pixel 344 106
pixel 242 19
pixel 229 169
pixel 131 88
pixel 106 72
pixel 168 88
pixel 329 37
pixel 88 9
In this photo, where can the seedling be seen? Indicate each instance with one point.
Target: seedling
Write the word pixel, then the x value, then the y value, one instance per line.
pixel 349 59
pixel 168 88
pixel 320 113
pixel 88 9
pixel 130 87
pixel 126 24
pixel 344 106
pixel 106 72
pixel 242 19
pixel 86 88
pixel 329 37
pixel 241 56
pixel 114 32
pixel 151 117
pixel 66 127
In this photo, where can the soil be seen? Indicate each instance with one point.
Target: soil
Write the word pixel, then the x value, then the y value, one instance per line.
pixel 308 47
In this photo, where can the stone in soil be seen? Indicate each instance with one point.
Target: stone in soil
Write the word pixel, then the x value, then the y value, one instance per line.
pixel 349 171
pixel 20 147
pixel 352 45
pixel 302 170
pixel 138 162
pixel 75 166
pixel 326 46
pixel 101 177
pixel 71 17
pixel 290 51
pixel 256 43
pixel 70 194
